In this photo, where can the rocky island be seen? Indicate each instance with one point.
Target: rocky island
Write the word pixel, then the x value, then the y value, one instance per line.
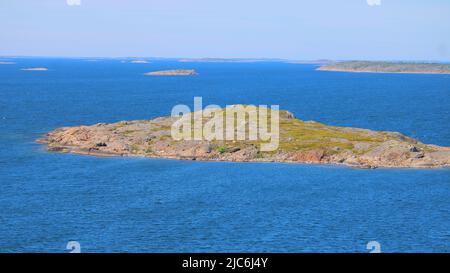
pixel 299 142
pixel 139 62
pixel 227 60
pixel 35 69
pixel 387 67
pixel 174 72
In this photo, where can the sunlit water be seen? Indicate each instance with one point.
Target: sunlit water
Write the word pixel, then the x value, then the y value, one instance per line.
pixel 156 205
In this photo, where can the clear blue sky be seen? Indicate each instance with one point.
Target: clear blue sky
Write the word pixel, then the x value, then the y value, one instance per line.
pixel 293 29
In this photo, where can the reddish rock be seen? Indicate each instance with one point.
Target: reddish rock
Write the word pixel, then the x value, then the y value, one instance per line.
pixel 314 156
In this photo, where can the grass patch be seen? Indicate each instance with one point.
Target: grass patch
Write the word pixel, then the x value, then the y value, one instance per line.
pixel 128 132
pixel 134 149
pixel 221 149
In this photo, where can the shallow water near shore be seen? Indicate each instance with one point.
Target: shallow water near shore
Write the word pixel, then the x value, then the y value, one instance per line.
pixel 154 205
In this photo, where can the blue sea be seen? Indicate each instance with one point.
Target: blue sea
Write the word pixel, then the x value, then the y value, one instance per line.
pixel 116 204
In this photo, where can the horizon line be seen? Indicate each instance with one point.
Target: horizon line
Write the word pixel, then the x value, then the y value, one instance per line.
pixel 223 58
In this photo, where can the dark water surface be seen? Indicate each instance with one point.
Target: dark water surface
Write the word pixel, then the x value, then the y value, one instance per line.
pixel 152 205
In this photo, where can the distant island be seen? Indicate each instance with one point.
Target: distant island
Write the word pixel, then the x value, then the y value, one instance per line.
pixel 387 67
pixel 139 62
pixel 2 62
pixel 321 62
pixel 299 142
pixel 174 72
pixel 35 69
pixel 229 60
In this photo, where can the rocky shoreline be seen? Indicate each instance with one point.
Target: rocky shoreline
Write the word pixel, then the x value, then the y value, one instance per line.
pixel 300 142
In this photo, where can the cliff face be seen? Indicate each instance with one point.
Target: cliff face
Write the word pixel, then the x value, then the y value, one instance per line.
pixel 299 142
pixel 387 67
